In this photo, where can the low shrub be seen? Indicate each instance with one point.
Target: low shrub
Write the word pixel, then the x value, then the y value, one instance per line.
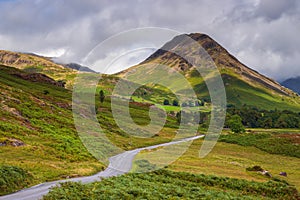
pixel 13 178
pixel 164 184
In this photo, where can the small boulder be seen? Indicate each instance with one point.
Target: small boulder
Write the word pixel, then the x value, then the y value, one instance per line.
pixel 16 143
pixel 12 142
pixel 266 173
pixel 283 174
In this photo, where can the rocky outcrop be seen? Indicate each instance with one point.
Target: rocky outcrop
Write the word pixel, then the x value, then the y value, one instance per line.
pixel 21 60
pixel 12 142
pixel 41 78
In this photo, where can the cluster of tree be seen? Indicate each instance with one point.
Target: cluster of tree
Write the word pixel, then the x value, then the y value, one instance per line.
pixel 253 117
pixel 174 102
pixel 235 124
pixel 239 118
pixel 193 117
pixel 184 104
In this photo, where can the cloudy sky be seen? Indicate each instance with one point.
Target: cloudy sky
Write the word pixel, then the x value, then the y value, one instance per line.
pixel 263 34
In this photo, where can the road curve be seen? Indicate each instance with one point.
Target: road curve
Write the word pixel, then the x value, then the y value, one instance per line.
pixel 119 164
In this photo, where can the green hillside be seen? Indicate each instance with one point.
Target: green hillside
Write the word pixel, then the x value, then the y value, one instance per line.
pixel 37 132
pixel 239 93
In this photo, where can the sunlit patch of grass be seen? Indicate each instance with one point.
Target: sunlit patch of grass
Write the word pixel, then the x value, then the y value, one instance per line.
pixel 232 160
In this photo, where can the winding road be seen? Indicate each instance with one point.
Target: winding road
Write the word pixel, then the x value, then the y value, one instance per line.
pixel 119 164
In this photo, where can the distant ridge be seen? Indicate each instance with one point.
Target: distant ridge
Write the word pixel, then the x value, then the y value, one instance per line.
pixel 293 84
pixel 78 67
pixel 33 63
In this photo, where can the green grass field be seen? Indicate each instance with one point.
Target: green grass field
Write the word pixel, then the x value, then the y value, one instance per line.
pixel 231 160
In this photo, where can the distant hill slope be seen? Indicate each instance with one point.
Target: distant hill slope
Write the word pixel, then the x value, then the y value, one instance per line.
pixel 32 77
pixel 38 64
pixel 243 85
pixel 293 84
pixel 78 67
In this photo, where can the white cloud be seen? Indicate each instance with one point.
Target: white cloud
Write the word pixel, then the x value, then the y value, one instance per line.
pixel 120 60
pixel 52 52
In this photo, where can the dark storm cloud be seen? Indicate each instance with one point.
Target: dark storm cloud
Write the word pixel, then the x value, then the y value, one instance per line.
pixel 273 10
pixel 262 34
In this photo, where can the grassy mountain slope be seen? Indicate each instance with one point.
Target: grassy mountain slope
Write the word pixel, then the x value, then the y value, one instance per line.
pixel 37 132
pixel 240 92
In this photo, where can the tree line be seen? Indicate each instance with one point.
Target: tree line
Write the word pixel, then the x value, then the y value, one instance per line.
pixel 237 118
pixel 253 117
pixel 175 102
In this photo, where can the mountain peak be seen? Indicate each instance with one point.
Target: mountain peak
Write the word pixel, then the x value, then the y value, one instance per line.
pixel 225 62
pixel 213 48
pixel 198 36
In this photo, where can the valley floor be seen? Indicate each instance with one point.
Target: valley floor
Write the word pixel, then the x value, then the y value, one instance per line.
pixel 225 160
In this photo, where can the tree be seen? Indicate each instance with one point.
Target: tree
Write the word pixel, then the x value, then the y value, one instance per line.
pixel 200 103
pixel 102 96
pixel 235 124
pixel 184 104
pixel 175 102
pixel 166 102
pixel 178 116
pixel 46 92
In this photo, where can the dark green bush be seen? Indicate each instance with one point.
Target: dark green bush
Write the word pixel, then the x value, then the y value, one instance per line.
pixel 255 169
